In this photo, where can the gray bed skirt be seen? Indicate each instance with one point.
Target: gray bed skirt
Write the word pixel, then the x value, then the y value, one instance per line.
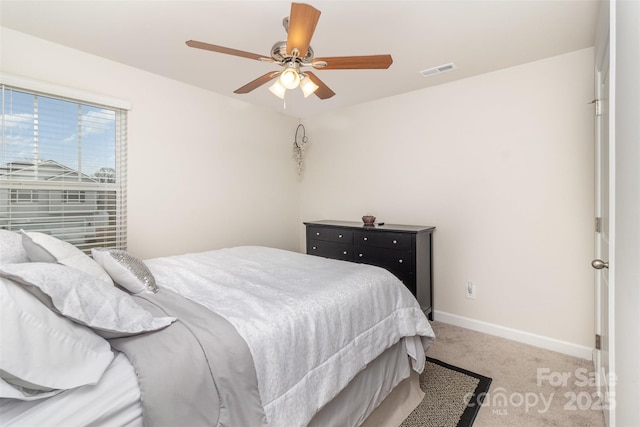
pixel 390 377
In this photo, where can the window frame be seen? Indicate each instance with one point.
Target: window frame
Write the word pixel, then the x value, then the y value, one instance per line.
pixel 99 191
pixel 16 193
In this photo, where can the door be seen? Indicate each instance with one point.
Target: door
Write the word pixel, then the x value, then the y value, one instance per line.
pixel 605 225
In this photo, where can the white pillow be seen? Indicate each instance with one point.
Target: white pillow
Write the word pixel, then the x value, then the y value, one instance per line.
pixel 11 249
pixel 125 270
pixel 42 247
pixel 42 350
pixel 9 391
pixel 84 299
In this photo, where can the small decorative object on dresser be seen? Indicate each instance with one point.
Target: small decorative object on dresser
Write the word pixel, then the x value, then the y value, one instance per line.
pixel 369 220
pixel 404 250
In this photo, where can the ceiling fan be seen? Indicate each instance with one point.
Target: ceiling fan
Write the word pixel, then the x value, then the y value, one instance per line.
pixel 296 53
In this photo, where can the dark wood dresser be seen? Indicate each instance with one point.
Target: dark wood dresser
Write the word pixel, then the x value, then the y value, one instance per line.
pixel 404 250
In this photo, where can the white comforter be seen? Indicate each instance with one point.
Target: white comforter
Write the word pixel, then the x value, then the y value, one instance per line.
pixel 311 323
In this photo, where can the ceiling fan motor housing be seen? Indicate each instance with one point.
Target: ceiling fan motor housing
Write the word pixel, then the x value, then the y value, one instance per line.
pixel 279 53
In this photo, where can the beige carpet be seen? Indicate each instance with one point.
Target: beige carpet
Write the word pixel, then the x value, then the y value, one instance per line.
pixel 531 398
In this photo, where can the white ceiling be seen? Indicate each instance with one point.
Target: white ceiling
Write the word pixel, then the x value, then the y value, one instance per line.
pixel 477 35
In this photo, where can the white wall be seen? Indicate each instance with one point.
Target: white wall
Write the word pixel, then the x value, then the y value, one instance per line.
pixel 205 171
pixel 502 165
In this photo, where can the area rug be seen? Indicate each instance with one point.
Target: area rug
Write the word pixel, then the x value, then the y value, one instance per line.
pixel 453 396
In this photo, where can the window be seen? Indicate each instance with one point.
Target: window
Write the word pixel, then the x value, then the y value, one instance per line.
pixel 63 167
pixel 24 196
pixel 72 196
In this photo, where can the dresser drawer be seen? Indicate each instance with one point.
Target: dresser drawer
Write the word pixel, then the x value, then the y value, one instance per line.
pixel 382 240
pixel 409 280
pixel 330 234
pixel 396 261
pixel 330 249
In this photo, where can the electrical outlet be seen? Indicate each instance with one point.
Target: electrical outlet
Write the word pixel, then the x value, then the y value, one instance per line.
pixel 470 290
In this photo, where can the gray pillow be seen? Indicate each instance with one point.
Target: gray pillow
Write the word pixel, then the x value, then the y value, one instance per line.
pixel 125 270
pixel 84 299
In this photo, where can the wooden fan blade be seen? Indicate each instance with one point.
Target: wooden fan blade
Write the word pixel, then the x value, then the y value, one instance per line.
pixel 222 49
pixel 356 62
pixel 257 82
pixel 302 23
pixel 323 91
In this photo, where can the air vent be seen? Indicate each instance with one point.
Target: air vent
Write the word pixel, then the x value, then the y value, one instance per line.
pixel 438 70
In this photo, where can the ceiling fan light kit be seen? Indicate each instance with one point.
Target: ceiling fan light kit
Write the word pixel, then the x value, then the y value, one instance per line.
pixel 295 53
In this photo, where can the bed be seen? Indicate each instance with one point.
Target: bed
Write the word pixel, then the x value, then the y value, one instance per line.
pixel 238 336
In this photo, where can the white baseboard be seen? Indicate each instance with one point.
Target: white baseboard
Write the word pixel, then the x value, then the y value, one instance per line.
pixel 515 335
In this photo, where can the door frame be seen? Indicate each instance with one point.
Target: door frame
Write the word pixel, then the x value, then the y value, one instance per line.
pixel 604 69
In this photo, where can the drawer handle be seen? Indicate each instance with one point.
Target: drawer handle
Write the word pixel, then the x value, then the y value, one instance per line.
pixel 339 236
pixel 317 233
pixel 400 261
pixel 395 241
pixel 314 248
pixel 345 252
pixel 365 239
pixel 360 255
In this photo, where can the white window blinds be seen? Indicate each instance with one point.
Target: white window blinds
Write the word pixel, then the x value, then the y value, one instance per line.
pixel 63 168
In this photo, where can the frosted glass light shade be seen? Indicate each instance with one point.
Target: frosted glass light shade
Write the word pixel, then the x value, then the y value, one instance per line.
pixel 289 78
pixel 277 89
pixel 308 87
